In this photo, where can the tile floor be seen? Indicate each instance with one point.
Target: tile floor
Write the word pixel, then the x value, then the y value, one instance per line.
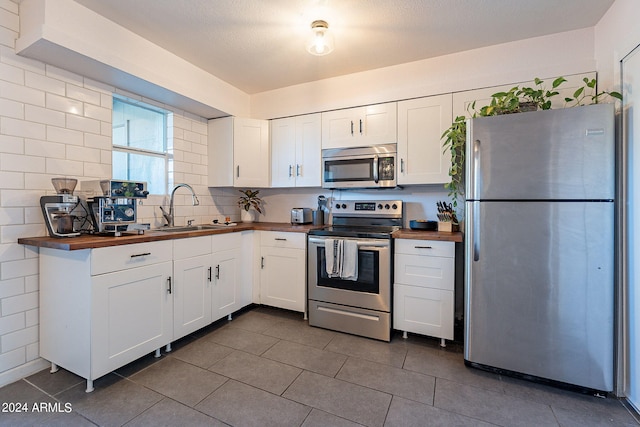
pixel 267 367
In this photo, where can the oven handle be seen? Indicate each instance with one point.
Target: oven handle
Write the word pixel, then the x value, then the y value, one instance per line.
pixel 362 244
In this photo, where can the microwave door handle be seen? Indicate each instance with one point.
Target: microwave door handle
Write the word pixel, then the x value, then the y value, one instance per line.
pixel 375 169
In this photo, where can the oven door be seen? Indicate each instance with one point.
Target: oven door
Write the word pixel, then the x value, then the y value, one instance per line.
pixel 363 171
pixel 372 289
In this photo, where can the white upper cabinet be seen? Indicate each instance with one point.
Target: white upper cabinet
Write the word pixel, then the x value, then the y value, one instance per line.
pixel 296 151
pixel 238 152
pixel 360 126
pixel 421 123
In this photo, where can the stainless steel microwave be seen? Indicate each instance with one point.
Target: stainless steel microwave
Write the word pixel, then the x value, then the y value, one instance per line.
pixel 362 167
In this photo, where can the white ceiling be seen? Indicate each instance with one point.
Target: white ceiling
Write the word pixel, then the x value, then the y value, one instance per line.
pixel 258 45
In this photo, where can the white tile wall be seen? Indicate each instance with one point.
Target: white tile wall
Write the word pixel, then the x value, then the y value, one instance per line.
pixel 55 122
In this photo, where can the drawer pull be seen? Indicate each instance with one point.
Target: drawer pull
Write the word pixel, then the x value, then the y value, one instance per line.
pixel 139 255
pixel 423 247
pixel 209 277
pixel 218 271
pixel 281 239
pixel 169 283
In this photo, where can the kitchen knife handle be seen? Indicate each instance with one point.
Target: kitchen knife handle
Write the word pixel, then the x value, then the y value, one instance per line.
pixel 375 169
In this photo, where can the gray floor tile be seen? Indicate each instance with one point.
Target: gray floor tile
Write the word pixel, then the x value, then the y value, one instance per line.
pixel 26 395
pixel 179 380
pixel 298 331
pixel 568 418
pixel 62 419
pixel 259 372
pixel 169 413
pixel 255 321
pixel 451 367
pixel 318 418
pixel 241 339
pixel 563 400
pixel 202 353
pixel 114 402
pixel 238 404
pixel 305 357
pixel 346 400
pixel 396 381
pixel 407 413
pixel 392 353
pixel 490 406
pixel 54 383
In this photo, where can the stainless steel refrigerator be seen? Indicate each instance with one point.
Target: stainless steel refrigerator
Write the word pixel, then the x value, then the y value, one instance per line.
pixel 539 245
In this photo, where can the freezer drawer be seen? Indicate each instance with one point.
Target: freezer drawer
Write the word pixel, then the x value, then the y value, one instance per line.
pixel 539 285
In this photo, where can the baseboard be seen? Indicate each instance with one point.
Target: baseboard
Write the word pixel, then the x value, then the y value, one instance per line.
pixel 22 371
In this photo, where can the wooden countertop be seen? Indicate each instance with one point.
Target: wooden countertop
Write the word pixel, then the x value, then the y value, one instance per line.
pixel 101 241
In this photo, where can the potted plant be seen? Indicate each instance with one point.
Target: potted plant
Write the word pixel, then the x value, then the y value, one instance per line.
pixel 536 98
pixel 248 203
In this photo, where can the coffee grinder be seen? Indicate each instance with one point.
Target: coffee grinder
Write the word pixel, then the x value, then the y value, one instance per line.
pixel 58 209
pixel 114 207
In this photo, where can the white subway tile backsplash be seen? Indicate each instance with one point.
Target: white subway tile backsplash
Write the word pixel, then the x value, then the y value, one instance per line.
pixel 13 359
pixel 191 136
pixel 65 136
pixel 34 147
pixel 32 317
pixel 44 115
pixel 11 252
pixel 8 56
pixel 97 170
pixel 11 216
pixel 19 339
pixel 64 75
pixel 22 93
pixel 42 82
pixel 11 288
pixel 102 142
pixel 200 128
pixel 31 283
pixel 83 94
pixel 64 104
pixel 11 144
pixel 39 181
pixel 12 323
pixel 19 268
pixel 64 167
pixel 11 233
pixel 7 37
pixel 9 5
pixel 9 20
pixel 10 108
pixel 106 129
pixel 83 124
pixel 98 113
pixel 18 303
pixel 83 154
pixel 23 128
pixel 21 163
pixel 33 215
pixel 11 74
pixel 19 198
pixel 33 351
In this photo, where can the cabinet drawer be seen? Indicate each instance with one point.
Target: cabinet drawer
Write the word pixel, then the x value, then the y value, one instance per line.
pixel 223 242
pixel 423 311
pixel 283 239
pixel 425 271
pixel 425 247
pixel 191 247
pixel 116 258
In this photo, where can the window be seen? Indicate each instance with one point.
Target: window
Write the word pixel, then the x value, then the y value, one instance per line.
pixel 140 144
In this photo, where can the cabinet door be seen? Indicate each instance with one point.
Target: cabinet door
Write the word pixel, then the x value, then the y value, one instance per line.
pixel 283 152
pixel 251 154
pixel 191 294
pixel 377 124
pixel 421 123
pixel 282 278
pixel 308 159
pixel 220 171
pixel 423 311
pixel 132 315
pixel 226 285
pixel 339 128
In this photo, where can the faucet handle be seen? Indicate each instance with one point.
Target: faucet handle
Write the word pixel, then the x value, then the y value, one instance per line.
pixel 190 222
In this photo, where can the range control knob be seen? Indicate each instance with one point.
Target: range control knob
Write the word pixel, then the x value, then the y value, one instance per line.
pixel 379 206
pixel 344 206
pixel 387 206
pixel 337 205
pixel 394 206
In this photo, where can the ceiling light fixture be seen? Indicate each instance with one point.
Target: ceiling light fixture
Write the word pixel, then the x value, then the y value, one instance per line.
pixel 321 43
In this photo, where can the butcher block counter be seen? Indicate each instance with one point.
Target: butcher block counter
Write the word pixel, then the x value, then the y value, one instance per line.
pixel 103 241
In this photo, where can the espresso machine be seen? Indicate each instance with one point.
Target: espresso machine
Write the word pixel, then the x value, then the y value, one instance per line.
pixel 113 206
pixel 58 210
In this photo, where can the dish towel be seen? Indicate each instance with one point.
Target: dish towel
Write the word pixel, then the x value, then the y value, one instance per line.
pixel 341 258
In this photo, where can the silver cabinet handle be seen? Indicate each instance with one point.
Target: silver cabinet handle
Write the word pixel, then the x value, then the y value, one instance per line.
pixel 423 247
pixel 238 171
pixel 209 276
pixel 218 271
pixel 351 127
pixel 297 170
pixel 360 126
pixel 139 255
pixel 280 239
pixel 401 165
pixel 169 284
pixel 290 171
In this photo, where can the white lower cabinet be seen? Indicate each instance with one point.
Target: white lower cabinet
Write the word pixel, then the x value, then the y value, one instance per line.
pixel 191 285
pixel 424 287
pixel 231 290
pixel 283 270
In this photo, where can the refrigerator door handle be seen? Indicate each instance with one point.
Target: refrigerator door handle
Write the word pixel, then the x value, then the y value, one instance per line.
pixel 475 176
pixel 475 232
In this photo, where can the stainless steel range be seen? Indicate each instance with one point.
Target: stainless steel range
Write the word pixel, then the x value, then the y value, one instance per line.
pixel 354 298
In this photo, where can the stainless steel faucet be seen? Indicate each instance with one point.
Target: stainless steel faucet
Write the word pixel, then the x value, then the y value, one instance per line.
pixel 168 216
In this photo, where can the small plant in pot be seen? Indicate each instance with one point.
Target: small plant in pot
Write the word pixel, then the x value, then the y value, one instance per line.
pixel 248 203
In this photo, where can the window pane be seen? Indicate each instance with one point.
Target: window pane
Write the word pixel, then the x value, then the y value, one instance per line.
pixel 138 167
pixel 138 127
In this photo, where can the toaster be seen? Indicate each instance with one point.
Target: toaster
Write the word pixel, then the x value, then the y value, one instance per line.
pixel 301 216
